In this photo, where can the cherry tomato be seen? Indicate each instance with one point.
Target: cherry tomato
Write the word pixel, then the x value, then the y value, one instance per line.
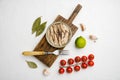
pixel 84 58
pixel 69 69
pixel 63 62
pixel 90 63
pixel 61 70
pixel 77 59
pixel 77 68
pixel 70 61
pixel 90 56
pixel 84 65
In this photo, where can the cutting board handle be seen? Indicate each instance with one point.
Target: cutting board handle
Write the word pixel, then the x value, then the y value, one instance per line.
pixel 74 14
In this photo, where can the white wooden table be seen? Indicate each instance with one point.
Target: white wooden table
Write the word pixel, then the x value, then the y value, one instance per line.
pixel 101 17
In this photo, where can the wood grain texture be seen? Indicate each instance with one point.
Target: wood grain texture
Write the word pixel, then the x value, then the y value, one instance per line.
pixel 45 46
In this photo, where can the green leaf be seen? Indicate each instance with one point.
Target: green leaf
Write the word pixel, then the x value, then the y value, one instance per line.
pixel 31 64
pixel 41 28
pixel 36 24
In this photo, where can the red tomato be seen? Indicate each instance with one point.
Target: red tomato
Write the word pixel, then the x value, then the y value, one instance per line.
pixel 77 68
pixel 70 61
pixel 61 70
pixel 77 59
pixel 69 69
pixel 63 62
pixel 90 56
pixel 84 65
pixel 84 58
pixel 90 63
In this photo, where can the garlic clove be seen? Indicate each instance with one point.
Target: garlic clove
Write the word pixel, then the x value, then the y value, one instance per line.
pixel 83 28
pixel 93 37
pixel 46 72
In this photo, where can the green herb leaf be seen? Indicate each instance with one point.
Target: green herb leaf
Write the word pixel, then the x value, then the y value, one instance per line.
pixel 41 29
pixel 38 27
pixel 31 64
pixel 36 24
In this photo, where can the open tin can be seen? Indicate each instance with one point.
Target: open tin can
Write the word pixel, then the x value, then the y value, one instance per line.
pixel 58 34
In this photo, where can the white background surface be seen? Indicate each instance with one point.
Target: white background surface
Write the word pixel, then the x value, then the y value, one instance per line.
pixel 101 17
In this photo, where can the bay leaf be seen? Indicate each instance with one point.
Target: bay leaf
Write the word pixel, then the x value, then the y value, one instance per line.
pixel 36 24
pixel 41 29
pixel 32 64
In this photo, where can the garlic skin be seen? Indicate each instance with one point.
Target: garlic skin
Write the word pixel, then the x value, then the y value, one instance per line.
pixel 46 72
pixel 93 37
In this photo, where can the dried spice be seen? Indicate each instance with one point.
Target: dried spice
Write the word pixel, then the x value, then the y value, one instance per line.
pixel 38 27
pixel 32 64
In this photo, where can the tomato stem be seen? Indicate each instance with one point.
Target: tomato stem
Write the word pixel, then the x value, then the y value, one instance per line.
pixel 72 65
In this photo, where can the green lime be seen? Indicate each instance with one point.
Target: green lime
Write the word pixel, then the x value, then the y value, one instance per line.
pixel 80 42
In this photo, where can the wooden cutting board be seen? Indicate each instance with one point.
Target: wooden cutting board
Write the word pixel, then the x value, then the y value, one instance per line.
pixel 44 45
